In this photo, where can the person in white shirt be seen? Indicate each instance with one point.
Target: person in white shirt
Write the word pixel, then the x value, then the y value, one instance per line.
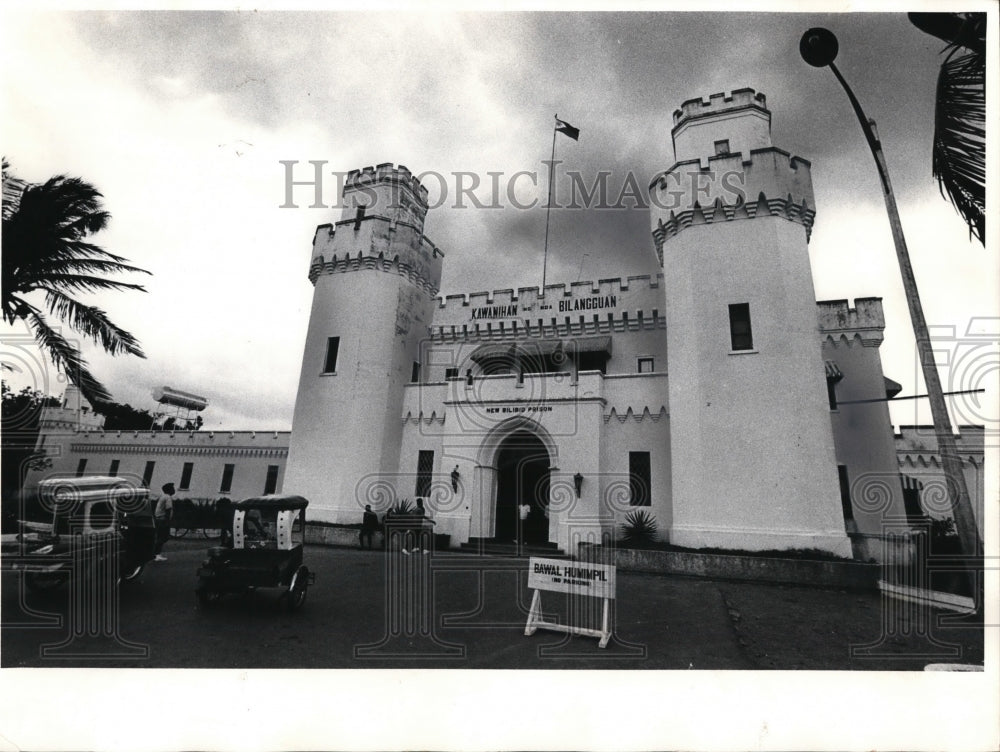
pixel 163 512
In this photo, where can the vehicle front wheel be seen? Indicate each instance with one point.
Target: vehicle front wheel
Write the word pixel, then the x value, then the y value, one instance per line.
pixel 134 574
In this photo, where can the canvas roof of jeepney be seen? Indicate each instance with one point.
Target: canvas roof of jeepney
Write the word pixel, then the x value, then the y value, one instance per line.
pixel 274 501
pixel 93 488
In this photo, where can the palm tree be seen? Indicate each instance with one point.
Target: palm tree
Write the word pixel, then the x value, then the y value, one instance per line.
pixel 45 250
pixel 959 152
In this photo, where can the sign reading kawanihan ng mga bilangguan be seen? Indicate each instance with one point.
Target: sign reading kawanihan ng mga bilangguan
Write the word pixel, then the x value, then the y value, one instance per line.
pixel 575 578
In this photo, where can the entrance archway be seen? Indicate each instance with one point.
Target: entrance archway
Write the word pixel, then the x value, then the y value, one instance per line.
pixel 522 467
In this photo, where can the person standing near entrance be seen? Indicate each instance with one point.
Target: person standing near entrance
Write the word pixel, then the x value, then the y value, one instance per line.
pixel 369 524
pixel 163 512
pixel 523 511
pixel 422 541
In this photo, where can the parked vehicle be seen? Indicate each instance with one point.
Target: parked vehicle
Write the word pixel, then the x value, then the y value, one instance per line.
pixel 101 524
pixel 263 551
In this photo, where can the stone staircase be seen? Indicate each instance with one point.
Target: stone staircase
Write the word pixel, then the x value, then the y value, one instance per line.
pixel 494 547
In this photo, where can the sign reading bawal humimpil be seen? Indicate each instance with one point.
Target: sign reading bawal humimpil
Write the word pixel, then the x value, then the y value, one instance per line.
pixel 576 578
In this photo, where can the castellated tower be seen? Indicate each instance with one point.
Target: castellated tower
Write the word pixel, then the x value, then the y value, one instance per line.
pixel 375 278
pixel 753 459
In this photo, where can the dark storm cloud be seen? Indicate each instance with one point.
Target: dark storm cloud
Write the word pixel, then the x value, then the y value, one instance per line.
pixel 448 93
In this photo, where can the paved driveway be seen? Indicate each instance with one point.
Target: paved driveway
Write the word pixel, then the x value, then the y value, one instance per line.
pixel 472 617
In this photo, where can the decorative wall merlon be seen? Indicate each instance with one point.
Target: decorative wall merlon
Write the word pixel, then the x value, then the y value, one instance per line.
pixel 838 320
pixel 717 103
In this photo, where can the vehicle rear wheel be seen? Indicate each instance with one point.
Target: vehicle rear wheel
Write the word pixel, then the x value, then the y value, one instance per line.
pixel 179 532
pixel 40 582
pixel 296 595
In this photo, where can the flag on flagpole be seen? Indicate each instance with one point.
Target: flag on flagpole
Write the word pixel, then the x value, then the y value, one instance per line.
pixel 566 129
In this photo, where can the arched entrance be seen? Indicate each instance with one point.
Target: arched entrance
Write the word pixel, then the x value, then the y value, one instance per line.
pixel 522 467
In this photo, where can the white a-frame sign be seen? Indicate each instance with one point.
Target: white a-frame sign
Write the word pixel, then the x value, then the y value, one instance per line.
pixel 577 578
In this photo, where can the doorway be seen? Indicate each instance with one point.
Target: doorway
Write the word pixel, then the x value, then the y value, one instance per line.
pixel 522 465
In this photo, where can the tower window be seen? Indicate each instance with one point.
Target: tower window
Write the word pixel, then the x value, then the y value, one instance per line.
pixel 227 478
pixel 425 469
pixel 639 479
pixel 739 326
pixel 332 349
pixel 186 476
pixel 645 365
pixel 81 467
pixel 358 216
pixel 113 470
pixel 831 392
pixel 415 373
pixel 722 147
pixel 271 483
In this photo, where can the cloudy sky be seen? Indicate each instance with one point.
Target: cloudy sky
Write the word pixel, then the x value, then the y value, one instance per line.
pixel 181 120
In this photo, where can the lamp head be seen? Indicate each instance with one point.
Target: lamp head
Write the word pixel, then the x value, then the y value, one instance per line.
pixel 818 47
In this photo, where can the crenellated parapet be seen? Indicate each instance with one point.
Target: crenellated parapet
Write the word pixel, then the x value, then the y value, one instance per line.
pixel 186 443
pixel 767 183
pixel 916 446
pixel 381 227
pixel 720 103
pixel 380 243
pixel 839 323
pixel 607 305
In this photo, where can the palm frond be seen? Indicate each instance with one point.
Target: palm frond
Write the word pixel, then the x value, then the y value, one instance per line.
pixel 54 264
pixel 959 152
pixel 958 160
pixel 94 323
pixel 45 248
pixel 87 283
pixel 66 357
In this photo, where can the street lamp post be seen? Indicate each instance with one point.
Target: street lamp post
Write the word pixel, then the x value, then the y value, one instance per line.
pixel 819 48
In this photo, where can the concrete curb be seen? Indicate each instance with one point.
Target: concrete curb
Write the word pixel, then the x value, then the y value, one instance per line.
pixel 846 574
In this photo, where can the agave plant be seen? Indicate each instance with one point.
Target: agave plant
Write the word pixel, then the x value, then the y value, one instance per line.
pixel 401 507
pixel 639 528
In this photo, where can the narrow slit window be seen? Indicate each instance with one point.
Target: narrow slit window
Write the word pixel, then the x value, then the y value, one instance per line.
pixel 332 350
pixel 186 476
pixel 415 373
pixel 739 326
pixel 227 478
pixel 113 470
pixel 271 483
pixel 845 493
pixel 147 473
pixel 81 467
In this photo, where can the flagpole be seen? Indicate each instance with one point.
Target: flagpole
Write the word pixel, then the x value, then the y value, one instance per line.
pixel 548 205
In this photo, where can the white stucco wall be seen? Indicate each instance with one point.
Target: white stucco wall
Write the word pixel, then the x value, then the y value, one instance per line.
pixel 917 455
pixel 251 452
pixel 863 430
